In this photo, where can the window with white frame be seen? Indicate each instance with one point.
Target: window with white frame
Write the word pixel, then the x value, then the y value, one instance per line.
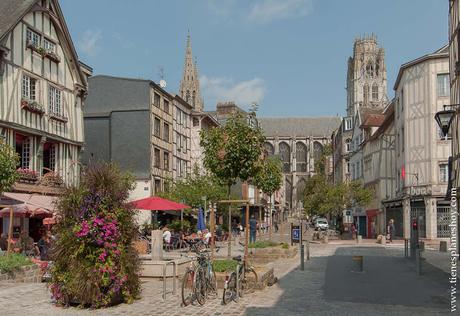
pixel 443 172
pixel 29 88
pixel 33 37
pixel 443 85
pixel 49 46
pixel 54 101
pixel 348 123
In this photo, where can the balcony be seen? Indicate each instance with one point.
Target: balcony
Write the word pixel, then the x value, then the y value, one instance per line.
pixel 30 181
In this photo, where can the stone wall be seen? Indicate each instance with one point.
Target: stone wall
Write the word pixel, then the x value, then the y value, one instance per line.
pixel 26 274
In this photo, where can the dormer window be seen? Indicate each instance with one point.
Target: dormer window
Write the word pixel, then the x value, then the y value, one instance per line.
pixel 33 38
pixel 49 46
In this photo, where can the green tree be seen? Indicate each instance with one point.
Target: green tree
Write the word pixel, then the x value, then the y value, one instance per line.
pixel 233 152
pixel 193 188
pixel 9 161
pixel 322 197
pixel 270 176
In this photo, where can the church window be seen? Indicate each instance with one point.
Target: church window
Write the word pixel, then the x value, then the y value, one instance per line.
pixel 301 157
pixel 193 98
pixel 285 154
pixel 317 151
pixel 348 144
pixel 375 92
pixel 370 70
pixel 269 149
pixel 187 96
pixel 366 93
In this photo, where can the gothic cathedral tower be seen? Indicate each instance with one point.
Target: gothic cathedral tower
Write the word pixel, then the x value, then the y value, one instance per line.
pixel 190 83
pixel 367 76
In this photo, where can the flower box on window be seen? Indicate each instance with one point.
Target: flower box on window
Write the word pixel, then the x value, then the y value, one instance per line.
pixel 58 117
pixel 32 106
pixel 27 175
pixel 52 179
pixel 36 48
pixel 53 56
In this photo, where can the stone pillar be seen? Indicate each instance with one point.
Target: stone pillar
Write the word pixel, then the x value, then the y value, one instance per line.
pixel 157 245
pixel 431 217
pixel 406 217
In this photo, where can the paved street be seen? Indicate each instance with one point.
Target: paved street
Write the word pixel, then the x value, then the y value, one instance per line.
pixel 326 287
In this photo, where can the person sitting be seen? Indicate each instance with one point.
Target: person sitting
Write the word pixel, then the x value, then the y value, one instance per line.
pixel 207 237
pixel 25 244
pixel 4 242
pixel 44 245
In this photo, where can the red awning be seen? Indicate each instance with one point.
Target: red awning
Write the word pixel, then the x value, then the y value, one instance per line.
pixel 158 204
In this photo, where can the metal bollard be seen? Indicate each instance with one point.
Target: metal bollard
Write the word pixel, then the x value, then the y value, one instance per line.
pixel 406 247
pixel 308 250
pixel 418 262
pixel 302 258
pixel 357 263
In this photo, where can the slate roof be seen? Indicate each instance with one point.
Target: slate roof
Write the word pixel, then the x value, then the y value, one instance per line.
pixel 11 11
pixel 300 126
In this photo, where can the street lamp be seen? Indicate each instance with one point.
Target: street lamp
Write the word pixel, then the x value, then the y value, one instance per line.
pixel 444 118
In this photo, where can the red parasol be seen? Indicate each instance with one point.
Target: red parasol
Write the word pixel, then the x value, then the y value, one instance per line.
pixel 158 204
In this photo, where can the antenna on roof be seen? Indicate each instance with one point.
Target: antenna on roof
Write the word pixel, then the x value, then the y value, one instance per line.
pixel 161 73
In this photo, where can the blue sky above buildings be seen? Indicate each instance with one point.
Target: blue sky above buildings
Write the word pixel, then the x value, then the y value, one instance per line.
pixel 288 55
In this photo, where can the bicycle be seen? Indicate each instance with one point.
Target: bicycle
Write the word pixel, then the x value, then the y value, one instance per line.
pixel 199 280
pixel 247 277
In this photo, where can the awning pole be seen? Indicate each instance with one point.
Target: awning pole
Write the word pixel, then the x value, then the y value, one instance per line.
pixel 10 231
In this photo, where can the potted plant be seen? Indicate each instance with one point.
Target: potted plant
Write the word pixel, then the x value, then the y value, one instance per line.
pixel 26 174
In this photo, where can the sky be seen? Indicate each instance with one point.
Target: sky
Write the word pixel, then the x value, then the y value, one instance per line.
pixel 289 56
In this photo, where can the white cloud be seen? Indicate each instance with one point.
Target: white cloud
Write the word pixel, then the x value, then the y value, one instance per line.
pixel 89 42
pixel 243 93
pixel 265 11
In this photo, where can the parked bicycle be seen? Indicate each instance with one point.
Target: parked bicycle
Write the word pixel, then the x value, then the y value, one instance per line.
pixel 247 281
pixel 199 281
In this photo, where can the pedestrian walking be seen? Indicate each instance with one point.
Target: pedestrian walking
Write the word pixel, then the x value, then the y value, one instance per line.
pixel 252 229
pixel 391 230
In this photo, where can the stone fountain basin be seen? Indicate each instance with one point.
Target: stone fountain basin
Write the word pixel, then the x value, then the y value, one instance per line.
pixel 154 268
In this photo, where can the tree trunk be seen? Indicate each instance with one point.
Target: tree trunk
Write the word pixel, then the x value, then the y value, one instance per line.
pixel 229 253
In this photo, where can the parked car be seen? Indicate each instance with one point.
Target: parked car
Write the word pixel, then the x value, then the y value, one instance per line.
pixel 321 224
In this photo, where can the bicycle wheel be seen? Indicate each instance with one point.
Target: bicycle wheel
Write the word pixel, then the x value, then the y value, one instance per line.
pixel 230 289
pixel 250 281
pixel 188 287
pixel 200 286
pixel 212 284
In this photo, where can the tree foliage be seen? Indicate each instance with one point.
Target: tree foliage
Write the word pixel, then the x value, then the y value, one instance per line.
pixel 270 176
pixel 322 197
pixel 233 152
pixel 193 188
pixel 9 161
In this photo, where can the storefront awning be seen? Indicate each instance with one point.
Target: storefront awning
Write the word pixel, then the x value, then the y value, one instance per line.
pixel 33 200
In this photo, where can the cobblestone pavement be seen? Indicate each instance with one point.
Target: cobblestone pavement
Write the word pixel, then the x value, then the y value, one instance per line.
pixel 297 293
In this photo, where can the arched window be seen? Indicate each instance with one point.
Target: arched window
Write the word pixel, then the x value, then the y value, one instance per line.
pixel 300 190
pixel 317 151
pixel 269 149
pixel 187 96
pixel 288 191
pixel 285 155
pixel 301 157
pixel 366 94
pixel 348 144
pixel 193 97
pixel 375 92
pixel 370 70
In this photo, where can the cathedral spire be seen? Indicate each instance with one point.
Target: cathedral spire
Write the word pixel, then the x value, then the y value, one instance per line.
pixel 190 84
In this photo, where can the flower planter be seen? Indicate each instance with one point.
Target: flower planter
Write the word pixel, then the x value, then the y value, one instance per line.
pixel 59 118
pixel 32 106
pixel 36 48
pixel 53 56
